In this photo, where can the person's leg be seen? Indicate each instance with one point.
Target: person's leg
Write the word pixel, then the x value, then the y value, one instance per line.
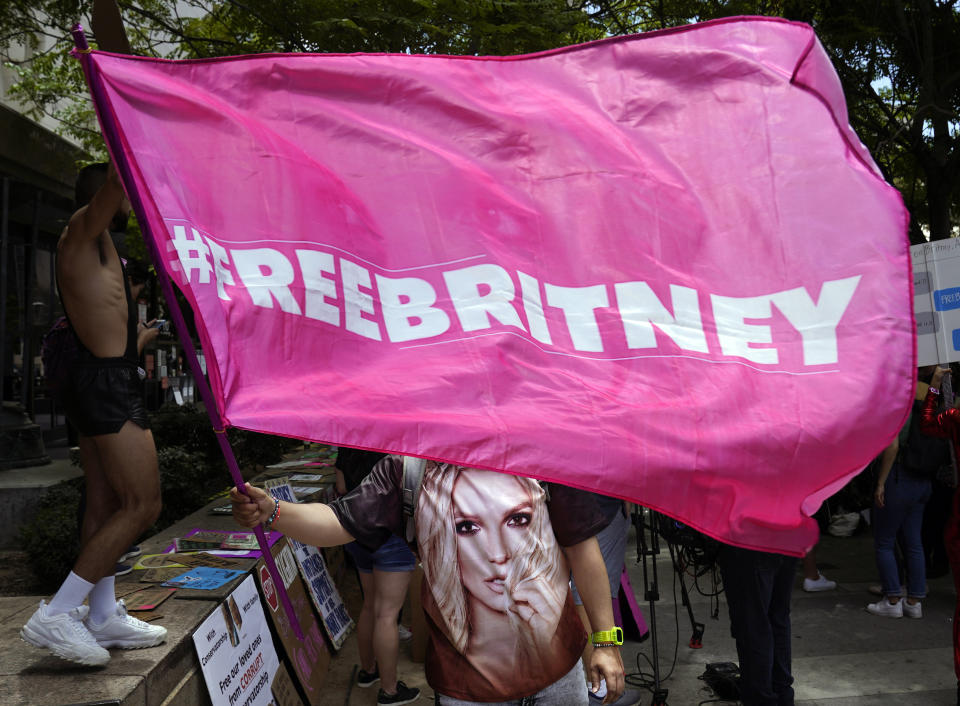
pixel 918 492
pixel 887 521
pixel 779 615
pixel 129 463
pixel 75 589
pixel 390 590
pixel 365 623
pixel 748 586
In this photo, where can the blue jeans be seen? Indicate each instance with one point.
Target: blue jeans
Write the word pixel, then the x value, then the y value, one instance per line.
pixel 758 587
pixel 905 496
pixel 570 690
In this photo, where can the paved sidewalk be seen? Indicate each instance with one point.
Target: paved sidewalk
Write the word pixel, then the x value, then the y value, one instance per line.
pixel 843 656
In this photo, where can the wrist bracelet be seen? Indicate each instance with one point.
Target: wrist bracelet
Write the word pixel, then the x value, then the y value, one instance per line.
pixel 274 515
pixel 605 644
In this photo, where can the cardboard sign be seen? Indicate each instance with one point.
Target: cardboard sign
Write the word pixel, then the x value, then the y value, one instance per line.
pixel 309 657
pixel 323 592
pixel 237 655
pixel 936 300
pixel 148 598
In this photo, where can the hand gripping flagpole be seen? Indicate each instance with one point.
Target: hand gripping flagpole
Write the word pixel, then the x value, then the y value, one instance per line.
pixel 112 137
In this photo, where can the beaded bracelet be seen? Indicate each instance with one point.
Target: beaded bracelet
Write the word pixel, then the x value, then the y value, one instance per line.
pixel 274 515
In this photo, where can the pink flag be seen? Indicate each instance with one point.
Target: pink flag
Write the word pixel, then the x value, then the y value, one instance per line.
pixel 660 267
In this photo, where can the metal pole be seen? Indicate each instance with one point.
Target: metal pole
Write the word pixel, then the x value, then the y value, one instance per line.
pixel 4 243
pixel 29 282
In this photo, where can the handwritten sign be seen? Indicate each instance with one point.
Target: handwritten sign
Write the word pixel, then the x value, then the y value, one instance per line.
pixel 323 592
pixel 309 656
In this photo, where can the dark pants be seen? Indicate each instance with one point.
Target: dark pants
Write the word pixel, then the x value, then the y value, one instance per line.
pixel 758 587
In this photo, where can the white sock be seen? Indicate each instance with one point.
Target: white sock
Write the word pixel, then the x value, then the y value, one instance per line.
pixel 71 595
pixel 103 600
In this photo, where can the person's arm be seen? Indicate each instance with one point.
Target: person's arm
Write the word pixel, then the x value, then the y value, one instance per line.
pixel 89 222
pixel 146 332
pixel 887 458
pixel 341 484
pixel 590 573
pixel 931 423
pixel 311 523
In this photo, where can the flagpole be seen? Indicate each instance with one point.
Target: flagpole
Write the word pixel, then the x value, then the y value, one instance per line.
pixel 111 135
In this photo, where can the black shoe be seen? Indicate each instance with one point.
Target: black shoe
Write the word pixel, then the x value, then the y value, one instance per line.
pixel 365 679
pixel 404 695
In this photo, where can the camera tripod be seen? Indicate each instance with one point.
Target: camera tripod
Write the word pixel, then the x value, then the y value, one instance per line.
pixel 649 525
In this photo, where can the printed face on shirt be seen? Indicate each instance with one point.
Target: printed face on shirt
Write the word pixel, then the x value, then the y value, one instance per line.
pixel 492 513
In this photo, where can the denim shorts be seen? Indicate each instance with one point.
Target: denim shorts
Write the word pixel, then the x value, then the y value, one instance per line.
pixel 393 555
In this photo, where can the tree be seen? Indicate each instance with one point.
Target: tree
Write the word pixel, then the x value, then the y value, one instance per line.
pixel 898 60
pixel 51 83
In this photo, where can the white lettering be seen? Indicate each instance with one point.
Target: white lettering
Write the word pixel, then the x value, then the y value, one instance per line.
pixel 817 323
pixel 735 335
pixel 193 254
pixel 267 275
pixel 533 308
pixel 578 305
pixel 640 309
pixel 474 308
pixel 408 311
pixel 355 302
pixel 318 288
pixel 220 262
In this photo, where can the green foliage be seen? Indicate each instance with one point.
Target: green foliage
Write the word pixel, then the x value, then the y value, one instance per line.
pixel 192 470
pixel 52 539
pixel 187 482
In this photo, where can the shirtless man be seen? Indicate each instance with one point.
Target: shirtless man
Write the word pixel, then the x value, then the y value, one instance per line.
pixel 104 401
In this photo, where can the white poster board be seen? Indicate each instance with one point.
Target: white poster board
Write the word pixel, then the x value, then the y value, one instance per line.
pixel 936 300
pixel 236 652
pixel 336 621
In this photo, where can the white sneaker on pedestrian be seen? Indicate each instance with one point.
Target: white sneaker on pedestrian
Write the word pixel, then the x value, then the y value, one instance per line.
pixel 65 635
pixel 126 632
pixel 821 583
pixel 886 609
pixel 404 632
pixel 912 611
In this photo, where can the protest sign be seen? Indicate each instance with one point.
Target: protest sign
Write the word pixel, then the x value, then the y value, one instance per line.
pixel 936 300
pixel 323 592
pixel 236 652
pixel 309 656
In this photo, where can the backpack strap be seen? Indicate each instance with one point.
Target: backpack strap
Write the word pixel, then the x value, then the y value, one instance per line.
pixel 412 479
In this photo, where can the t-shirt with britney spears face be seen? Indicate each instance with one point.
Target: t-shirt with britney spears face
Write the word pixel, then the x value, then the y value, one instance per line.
pixel 496 594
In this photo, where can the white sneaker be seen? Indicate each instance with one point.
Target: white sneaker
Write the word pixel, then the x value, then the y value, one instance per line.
pixel 404 632
pixel 126 632
pixel 886 609
pixel 821 583
pixel 912 611
pixel 64 635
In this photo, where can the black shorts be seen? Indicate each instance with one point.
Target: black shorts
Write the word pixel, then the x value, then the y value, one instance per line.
pixel 102 394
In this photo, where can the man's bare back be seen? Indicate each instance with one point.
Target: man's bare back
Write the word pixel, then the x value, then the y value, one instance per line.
pixel 89 274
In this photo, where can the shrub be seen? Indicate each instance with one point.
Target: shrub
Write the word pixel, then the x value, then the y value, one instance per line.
pixel 52 539
pixel 187 481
